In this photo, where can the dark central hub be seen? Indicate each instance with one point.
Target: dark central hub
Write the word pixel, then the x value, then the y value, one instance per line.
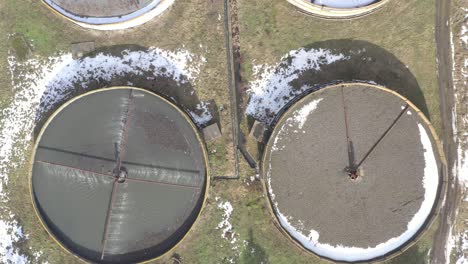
pixel 121 175
pixel 352 173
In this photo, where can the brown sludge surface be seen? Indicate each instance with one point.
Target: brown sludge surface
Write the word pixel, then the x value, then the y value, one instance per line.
pixel 308 175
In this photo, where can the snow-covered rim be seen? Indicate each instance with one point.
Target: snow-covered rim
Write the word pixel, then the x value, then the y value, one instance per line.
pixel 431 183
pixel 139 17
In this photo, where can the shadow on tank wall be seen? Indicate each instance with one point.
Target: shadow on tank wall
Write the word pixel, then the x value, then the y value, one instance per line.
pixel 181 93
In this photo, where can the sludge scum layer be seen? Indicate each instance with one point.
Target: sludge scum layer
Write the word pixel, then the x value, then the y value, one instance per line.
pixel 353 172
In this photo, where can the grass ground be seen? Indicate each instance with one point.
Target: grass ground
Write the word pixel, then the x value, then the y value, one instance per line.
pixel 269 29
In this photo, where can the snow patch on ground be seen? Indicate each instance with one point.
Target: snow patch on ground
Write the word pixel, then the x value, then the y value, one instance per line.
pixel 180 65
pixel 460 88
pixel 463 242
pixel 462 166
pixel 203 114
pixel 39 84
pixel 271 88
pixel 17 124
pixel 464 34
pixel 457 240
pixel 236 244
pixel 225 225
pixel 11 233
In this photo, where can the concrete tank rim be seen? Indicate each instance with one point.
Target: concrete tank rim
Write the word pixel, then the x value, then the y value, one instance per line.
pixel 132 21
pixel 51 118
pixel 325 12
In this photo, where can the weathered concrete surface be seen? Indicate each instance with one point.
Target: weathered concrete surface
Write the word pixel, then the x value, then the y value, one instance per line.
pixel 211 132
pixel 307 167
pixel 81 48
pixel 101 8
pixel 257 131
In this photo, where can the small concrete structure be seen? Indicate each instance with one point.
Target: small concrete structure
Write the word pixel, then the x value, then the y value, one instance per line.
pixel 80 49
pixel 211 132
pixel 257 131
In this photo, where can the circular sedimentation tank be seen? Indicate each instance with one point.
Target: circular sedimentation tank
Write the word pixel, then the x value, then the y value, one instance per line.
pixel 107 14
pixel 338 8
pixel 353 172
pixel 119 175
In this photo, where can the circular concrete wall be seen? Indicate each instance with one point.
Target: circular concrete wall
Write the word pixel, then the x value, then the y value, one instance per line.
pixel 338 8
pixel 352 172
pixel 119 176
pixel 107 14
